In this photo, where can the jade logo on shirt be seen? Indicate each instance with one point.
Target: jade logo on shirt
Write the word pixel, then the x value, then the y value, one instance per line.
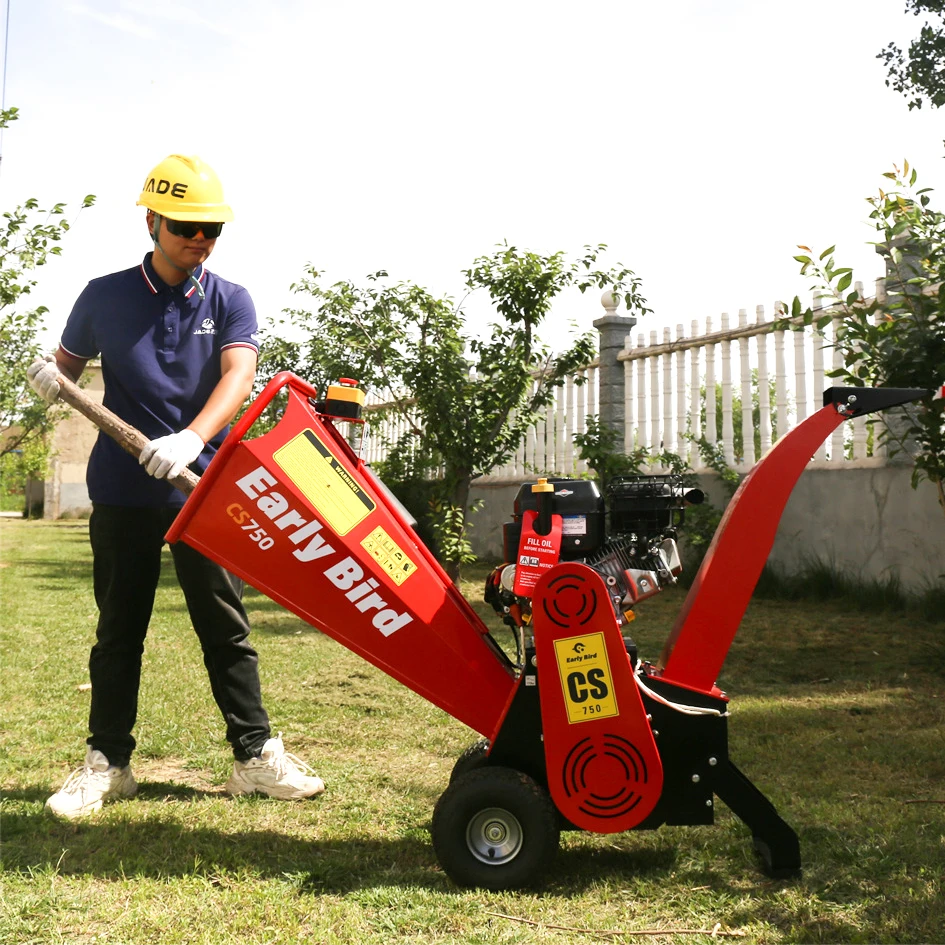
pixel 207 327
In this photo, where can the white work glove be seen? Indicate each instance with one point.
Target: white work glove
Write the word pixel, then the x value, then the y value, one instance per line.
pixel 43 375
pixel 166 457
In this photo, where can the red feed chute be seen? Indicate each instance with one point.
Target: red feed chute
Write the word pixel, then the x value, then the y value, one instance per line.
pixel 295 514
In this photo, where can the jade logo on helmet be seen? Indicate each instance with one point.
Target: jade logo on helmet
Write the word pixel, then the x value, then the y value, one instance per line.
pixel 163 186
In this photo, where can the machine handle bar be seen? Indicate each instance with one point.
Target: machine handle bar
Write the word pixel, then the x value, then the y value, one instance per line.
pixel 255 409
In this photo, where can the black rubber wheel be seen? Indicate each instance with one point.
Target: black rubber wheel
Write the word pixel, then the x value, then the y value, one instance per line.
pixel 472 758
pixel 495 828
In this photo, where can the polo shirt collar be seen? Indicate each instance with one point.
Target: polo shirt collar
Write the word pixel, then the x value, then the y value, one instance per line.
pixel 156 284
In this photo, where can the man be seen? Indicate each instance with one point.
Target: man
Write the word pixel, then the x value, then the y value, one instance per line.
pixel 178 350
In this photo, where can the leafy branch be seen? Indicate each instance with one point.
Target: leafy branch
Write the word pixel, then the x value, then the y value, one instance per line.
pixel 919 71
pixel 29 237
pixel 898 338
pixel 472 398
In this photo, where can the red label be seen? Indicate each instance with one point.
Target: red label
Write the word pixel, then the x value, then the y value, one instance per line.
pixel 536 553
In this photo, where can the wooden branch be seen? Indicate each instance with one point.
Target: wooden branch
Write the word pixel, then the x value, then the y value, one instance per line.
pixel 126 436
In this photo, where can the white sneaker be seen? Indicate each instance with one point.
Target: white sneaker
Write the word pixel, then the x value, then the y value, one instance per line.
pixel 87 788
pixel 276 773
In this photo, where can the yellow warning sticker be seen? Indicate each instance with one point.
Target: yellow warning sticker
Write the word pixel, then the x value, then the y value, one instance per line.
pixel 585 677
pixel 389 555
pixel 331 489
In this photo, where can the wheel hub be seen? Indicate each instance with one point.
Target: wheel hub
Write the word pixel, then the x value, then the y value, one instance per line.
pixel 494 836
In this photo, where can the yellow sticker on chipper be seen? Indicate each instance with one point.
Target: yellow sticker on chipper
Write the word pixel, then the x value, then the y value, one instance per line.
pixel 585 677
pixel 331 489
pixel 389 555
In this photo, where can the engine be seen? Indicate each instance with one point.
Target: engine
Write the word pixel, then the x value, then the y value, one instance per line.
pixel 628 535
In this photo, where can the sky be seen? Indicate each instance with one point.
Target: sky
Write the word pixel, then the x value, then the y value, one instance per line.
pixel 701 141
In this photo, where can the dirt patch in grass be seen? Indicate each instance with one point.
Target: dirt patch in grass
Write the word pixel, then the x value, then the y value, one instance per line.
pixel 153 773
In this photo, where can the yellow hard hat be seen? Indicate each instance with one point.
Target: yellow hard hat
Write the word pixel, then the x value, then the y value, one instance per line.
pixel 185 188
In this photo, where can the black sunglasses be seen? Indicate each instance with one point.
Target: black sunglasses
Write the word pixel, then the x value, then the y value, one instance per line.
pixel 189 230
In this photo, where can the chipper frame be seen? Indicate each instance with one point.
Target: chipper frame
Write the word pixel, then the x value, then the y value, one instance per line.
pixel 578 733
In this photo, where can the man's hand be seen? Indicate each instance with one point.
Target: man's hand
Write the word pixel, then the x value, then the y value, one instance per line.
pixel 167 456
pixel 43 375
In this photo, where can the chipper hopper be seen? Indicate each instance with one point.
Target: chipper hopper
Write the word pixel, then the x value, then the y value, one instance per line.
pixel 578 731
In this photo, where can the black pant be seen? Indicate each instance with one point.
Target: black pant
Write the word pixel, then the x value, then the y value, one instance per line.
pixel 126 550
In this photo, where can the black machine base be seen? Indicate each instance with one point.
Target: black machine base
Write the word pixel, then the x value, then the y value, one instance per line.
pixel 696 767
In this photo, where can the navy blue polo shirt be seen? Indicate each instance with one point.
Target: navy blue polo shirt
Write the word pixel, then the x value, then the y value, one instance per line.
pixel 160 349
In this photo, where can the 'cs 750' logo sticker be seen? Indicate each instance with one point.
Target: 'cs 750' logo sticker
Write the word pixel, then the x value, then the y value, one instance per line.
pixel 586 679
pixel 248 524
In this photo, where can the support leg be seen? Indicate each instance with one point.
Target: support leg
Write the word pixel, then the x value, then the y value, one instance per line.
pixel 775 842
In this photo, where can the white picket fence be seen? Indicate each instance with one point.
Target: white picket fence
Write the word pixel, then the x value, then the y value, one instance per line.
pixel 666 407
pixel 666 380
pixel 547 449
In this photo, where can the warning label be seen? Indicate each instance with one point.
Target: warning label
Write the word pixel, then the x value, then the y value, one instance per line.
pixel 574 525
pixel 314 469
pixel 389 555
pixel 585 677
pixel 536 553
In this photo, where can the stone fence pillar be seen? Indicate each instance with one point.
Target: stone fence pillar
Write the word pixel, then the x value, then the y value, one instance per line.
pixel 898 274
pixel 612 330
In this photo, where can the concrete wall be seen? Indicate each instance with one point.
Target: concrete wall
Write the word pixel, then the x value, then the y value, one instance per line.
pixel 65 494
pixel 868 522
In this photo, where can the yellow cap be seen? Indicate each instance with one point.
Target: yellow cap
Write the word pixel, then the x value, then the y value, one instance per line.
pixel 543 486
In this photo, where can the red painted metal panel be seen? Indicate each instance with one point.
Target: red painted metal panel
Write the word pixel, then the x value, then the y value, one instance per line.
pixel 604 770
pixel 713 610
pixel 293 513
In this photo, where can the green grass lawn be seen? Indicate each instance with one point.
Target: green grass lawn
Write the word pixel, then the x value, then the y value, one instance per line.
pixel 838 717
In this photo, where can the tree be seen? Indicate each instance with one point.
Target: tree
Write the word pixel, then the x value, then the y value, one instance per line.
pixel 28 237
pixel 601 447
pixel 896 340
pixel 920 71
pixel 467 400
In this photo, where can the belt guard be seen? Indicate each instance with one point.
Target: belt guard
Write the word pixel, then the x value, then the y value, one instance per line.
pixel 603 767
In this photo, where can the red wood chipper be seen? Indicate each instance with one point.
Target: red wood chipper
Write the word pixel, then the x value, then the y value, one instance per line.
pixel 578 731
